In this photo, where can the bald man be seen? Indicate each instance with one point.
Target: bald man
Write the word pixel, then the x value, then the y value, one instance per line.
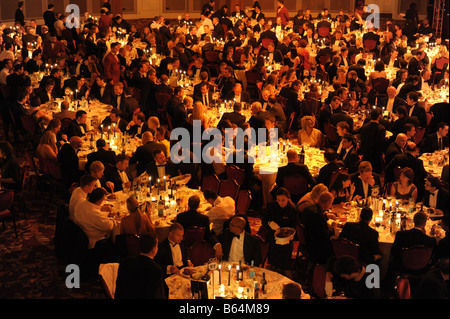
pixel 391 102
pixel 65 113
pixel 396 147
pixel 239 245
pixel 143 157
pixel 68 158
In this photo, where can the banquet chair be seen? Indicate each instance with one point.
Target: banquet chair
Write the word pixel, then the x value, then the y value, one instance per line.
pixel 297 186
pixel 265 42
pixel 416 259
pixel 318 281
pixel 201 252
pixel 420 133
pixel 6 201
pixel 343 246
pixel 310 106
pixel 324 59
pixel 282 100
pixel 62 214
pixel 370 44
pixel 335 174
pixel 193 235
pixel 108 275
pixel 161 101
pixel 253 77
pixel 403 287
pixel 65 124
pixel 379 86
pixel 243 201
pixel 235 173
pixel 210 182
pixel 331 133
pixel 127 245
pixel 230 188
pixel 324 32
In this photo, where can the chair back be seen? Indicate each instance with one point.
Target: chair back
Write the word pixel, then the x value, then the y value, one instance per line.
pixel 282 100
pixel 127 245
pixel 420 133
pixel 65 124
pixel 237 55
pixel 380 85
pixel 324 59
pixel 235 173
pixel 211 56
pixel 252 76
pixel 318 281
pixel 331 132
pixel 441 62
pixel 416 258
pixel 323 32
pixel 162 99
pixel 52 168
pixel 75 243
pixel 265 42
pixel 370 44
pixel 229 187
pixel 335 174
pixel 310 106
pixel 193 235
pixel 6 200
pixel 243 201
pixel 201 253
pixel 343 246
pixel 29 124
pixel 297 185
pixel 403 287
pixel 210 182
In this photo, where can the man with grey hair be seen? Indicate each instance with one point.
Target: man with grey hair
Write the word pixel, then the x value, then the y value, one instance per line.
pixel 391 102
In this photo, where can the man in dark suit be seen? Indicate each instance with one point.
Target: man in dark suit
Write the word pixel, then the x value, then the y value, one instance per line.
pixel 138 126
pixel 228 82
pixel 142 277
pixel 294 168
pixel 47 93
pixel 238 95
pixel 396 147
pixel 290 93
pixel 365 181
pixel 276 110
pixel 412 237
pixel 50 17
pixel 205 95
pixel 144 154
pixel 175 100
pixel 161 166
pixel 268 34
pixel 366 237
pixel 435 195
pixel 218 32
pixel 117 174
pixel 373 140
pixel 101 90
pixel 332 166
pixel 204 78
pixel 348 155
pixel 438 140
pixel 240 245
pixel 414 65
pixel 119 101
pixel 272 54
pixel 67 157
pixel 391 102
pixel 115 117
pixel 234 117
pixel 327 51
pixel 172 253
pixel 77 127
pixel 105 156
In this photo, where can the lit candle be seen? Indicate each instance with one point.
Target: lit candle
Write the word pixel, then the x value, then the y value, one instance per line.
pixel 237 273
pixel 229 274
pixel 220 274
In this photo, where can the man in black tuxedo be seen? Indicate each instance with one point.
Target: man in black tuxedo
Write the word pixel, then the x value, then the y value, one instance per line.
pixel 172 253
pixel 218 32
pixel 414 65
pixel 391 102
pixel 275 109
pixel 115 117
pixel 435 195
pixel 268 34
pixel 309 36
pixel 161 166
pixel 142 277
pixel 392 60
pixel 67 157
pixel 102 90
pixel 436 141
pixel 348 155
pixel 412 237
pixel 416 110
pixel 412 84
pixel 205 95
pixel 175 100
pixel 46 93
pixel 105 156
pixel 373 140
pixel 339 115
pixel 327 51
pixel 396 147
pixel 238 244
pixel 77 127
pixel 294 168
pixel 234 117
pixel 332 166
pixel 138 126
pixel 365 181
pixel 229 82
pixel 272 54
pixel 366 237
pixel 238 95
pixel 144 154
pixel 119 101
pixel 117 174
pixel 290 93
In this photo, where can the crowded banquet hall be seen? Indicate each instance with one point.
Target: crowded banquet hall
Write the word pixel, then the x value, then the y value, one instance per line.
pixel 224 149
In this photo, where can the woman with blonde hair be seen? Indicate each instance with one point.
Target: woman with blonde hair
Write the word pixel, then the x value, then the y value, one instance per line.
pixel 198 113
pixel 136 222
pixel 47 148
pixel 308 134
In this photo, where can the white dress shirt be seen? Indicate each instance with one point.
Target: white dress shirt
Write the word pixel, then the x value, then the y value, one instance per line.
pixel 237 249
pixel 433 198
pixel 390 105
pixel 365 188
pixel 77 195
pixel 177 256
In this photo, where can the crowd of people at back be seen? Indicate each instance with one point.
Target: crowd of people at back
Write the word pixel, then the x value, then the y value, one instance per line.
pixel 99 67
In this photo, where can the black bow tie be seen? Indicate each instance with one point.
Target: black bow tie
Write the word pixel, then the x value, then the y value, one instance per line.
pixel 173 244
pixel 163 165
pixel 237 236
pixel 432 194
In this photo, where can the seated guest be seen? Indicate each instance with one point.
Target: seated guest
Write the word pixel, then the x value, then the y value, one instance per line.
pixel 409 238
pixel 308 134
pixel 162 166
pixel 292 290
pixel 279 214
pixel 396 147
pixel 117 173
pixel 138 126
pixel 434 284
pixel 65 113
pixel 240 245
pixel 341 129
pixel 142 277
pixel 137 222
pixel 105 156
pixel 237 94
pixel 317 232
pixel 205 95
pixel 236 116
pixel 115 120
pixel 442 250
pixel 348 155
pixel 68 158
pixel 102 90
pixel 365 181
pixel 161 137
pixel 78 126
pixel 435 195
pixel 87 185
pixel 172 253
pixel 276 110
pixel 342 189
pixel 391 102
pixel 94 222
pixel 404 189
pixel 97 170
pixel 144 154
pixel 366 237
pixel 9 167
pixel 222 209
pixel 332 165
pixel 436 141
pixel 311 197
pixel 47 148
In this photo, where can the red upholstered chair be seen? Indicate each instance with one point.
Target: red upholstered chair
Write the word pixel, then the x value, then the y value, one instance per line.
pixel 318 281
pixel 441 62
pixel 210 182
pixel 235 173
pixel 162 99
pixel 370 44
pixel 65 124
pixel 243 201
pixel 6 201
pixel 201 253
pixel 403 287
pixel 265 42
pixel 211 56
pixel 229 187
pixel 297 185
pixel 128 245
pixel 416 258
pixel 335 174
pixel 343 246
pixel 193 235
pixel 331 132
pixel 420 133
pixel 380 86
pixel 323 32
